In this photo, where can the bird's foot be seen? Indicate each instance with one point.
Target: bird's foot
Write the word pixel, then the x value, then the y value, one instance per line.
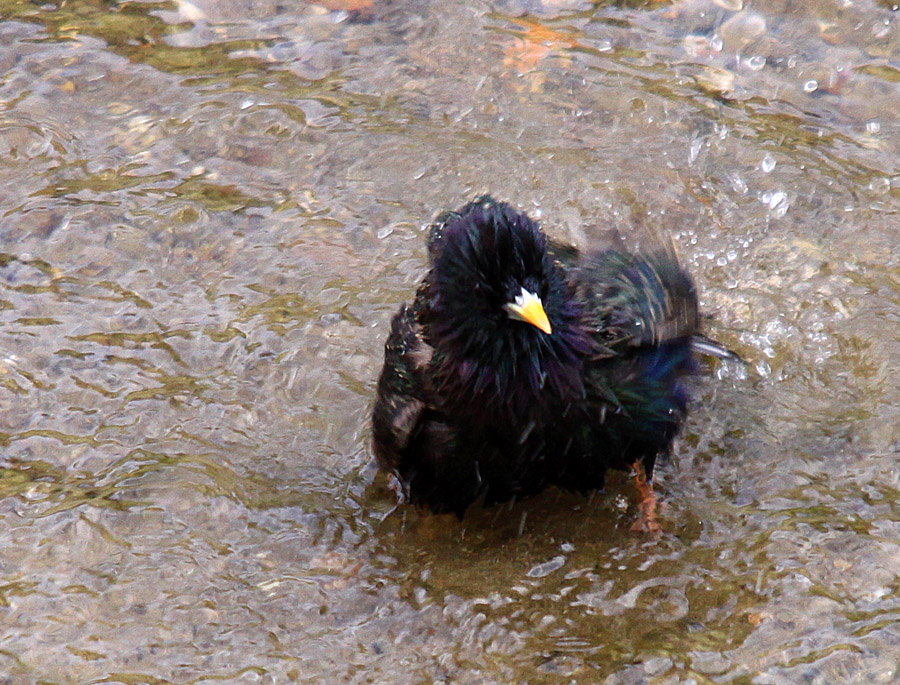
pixel 648 504
pixel 396 486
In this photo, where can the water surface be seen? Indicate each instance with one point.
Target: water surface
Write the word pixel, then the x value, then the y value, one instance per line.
pixel 210 210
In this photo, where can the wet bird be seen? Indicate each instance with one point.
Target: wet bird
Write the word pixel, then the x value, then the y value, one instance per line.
pixel 521 364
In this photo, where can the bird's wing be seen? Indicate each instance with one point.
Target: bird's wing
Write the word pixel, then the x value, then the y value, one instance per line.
pixel 642 311
pixel 413 438
pixel 401 398
pixel 668 313
pixel 634 300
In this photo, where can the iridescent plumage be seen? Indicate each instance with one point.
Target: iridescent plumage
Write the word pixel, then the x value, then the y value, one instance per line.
pixel 476 401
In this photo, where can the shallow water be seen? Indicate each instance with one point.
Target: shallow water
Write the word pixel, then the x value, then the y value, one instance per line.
pixel 210 212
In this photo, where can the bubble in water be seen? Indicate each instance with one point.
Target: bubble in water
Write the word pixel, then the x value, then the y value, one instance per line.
pixel 811 86
pixel 767 164
pixel 873 127
pixel 384 232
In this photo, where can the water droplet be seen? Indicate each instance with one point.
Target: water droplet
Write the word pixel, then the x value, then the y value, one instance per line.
pixel 694 152
pixel 738 184
pixel 811 86
pixel 756 62
pixel 873 127
pixel 526 432
pixel 767 164
pixel 721 261
pixel 880 186
pixel 777 198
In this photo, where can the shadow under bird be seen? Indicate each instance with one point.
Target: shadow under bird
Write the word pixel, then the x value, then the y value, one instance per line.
pixel 521 364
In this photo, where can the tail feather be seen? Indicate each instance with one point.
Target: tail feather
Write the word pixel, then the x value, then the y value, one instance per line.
pixel 710 348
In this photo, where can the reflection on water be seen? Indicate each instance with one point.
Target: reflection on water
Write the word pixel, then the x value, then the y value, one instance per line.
pixel 211 210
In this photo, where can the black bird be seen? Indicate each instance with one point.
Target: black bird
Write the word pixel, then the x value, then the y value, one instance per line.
pixel 520 364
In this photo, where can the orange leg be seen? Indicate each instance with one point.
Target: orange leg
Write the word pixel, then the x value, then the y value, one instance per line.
pixel 647 502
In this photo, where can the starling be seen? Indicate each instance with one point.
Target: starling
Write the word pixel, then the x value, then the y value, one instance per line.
pixel 521 364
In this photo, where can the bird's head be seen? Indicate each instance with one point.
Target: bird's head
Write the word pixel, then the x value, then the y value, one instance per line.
pixel 504 325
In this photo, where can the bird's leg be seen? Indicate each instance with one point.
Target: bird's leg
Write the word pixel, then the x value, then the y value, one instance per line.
pixel 647 502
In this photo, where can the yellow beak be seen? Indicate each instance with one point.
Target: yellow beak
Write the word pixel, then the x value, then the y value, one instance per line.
pixel 527 307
